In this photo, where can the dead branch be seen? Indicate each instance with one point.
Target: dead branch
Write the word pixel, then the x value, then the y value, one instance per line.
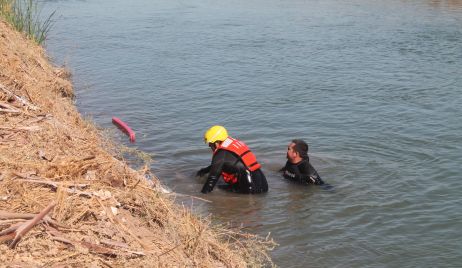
pixel 113 243
pixel 54 223
pixel 63 240
pixel 6 108
pixel 7 237
pixel 55 185
pixel 98 249
pixel 58 236
pixel 29 128
pixel 24 175
pixel 90 157
pixel 27 226
pixel 5 215
pixel 18 98
pixel 11 229
pixel 48 182
pixel 5 222
pixel 2 110
pixel 121 245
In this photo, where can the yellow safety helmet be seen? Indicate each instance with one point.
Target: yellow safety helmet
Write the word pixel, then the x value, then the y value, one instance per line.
pixel 215 133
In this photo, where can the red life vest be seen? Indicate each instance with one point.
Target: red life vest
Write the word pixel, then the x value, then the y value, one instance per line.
pixel 240 149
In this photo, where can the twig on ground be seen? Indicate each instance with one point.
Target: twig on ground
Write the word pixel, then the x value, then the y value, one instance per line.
pixel 11 229
pixel 5 215
pixel 9 111
pixel 14 217
pixel 121 245
pixel 55 184
pixel 11 221
pixel 27 226
pixel 134 186
pixel 18 98
pixel 6 237
pixel 63 240
pixel 6 108
pixel 58 236
pixel 29 128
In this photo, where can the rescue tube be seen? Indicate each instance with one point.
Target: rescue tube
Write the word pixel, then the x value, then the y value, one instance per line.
pixel 124 127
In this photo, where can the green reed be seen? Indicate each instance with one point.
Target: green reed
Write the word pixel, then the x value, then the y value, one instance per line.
pixel 25 16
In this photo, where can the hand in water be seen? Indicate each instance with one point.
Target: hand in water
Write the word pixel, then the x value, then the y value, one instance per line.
pixel 202 172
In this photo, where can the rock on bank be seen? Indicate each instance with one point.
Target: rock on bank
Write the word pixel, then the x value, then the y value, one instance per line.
pixel 104 213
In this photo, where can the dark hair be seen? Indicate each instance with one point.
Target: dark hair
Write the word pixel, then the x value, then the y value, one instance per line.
pixel 301 147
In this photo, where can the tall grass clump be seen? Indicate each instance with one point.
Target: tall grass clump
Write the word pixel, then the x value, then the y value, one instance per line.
pixel 25 16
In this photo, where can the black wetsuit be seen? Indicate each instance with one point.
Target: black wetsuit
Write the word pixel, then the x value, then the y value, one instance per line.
pixel 226 161
pixel 302 172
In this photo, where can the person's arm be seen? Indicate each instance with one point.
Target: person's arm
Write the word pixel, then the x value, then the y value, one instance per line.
pixel 315 179
pixel 203 171
pixel 214 171
pixel 310 175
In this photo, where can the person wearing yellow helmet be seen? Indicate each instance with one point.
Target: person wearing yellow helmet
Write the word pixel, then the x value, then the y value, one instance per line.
pixel 234 162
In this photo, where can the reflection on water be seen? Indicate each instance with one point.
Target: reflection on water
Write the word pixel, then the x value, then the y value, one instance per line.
pixel 373 86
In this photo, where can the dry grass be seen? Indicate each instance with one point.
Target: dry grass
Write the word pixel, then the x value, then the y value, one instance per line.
pixel 106 214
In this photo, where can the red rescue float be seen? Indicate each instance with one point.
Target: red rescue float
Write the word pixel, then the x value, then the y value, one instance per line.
pixel 124 127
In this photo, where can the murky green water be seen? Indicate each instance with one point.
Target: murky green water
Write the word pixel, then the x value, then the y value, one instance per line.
pixel 373 86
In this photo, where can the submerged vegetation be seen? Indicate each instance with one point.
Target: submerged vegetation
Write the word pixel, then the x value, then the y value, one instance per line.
pixel 25 16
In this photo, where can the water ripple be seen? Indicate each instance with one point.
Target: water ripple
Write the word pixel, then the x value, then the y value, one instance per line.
pixel 373 86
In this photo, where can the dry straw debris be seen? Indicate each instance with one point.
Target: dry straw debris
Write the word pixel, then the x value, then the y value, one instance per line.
pixel 67 200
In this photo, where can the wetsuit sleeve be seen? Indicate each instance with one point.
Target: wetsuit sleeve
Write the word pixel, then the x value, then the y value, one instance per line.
pixel 203 171
pixel 216 167
pixel 309 174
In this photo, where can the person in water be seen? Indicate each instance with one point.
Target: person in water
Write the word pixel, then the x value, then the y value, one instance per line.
pixel 298 167
pixel 234 162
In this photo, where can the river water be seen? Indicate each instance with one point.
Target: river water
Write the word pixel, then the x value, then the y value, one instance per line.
pixel 375 88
